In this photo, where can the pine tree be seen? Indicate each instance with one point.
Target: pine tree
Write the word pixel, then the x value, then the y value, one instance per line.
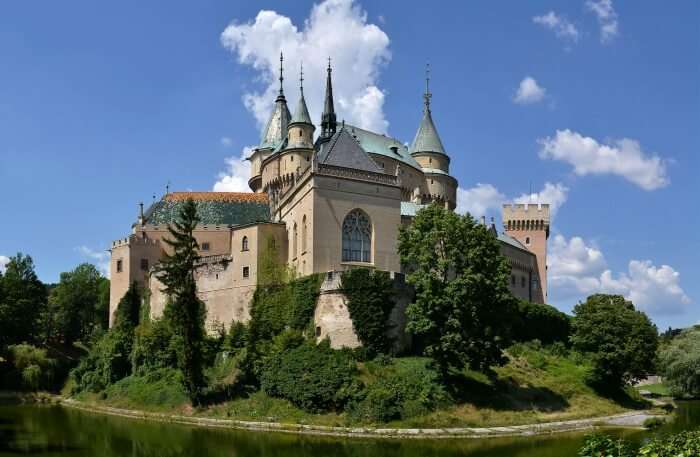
pixel 185 311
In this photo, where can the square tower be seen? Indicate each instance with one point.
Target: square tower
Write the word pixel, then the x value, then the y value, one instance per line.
pixel 529 224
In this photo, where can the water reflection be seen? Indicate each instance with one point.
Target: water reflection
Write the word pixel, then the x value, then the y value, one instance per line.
pixel 61 432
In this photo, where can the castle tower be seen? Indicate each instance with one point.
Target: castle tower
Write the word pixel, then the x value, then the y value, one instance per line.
pixel 430 154
pixel 529 224
pixel 328 119
pixel 272 135
pixel 301 129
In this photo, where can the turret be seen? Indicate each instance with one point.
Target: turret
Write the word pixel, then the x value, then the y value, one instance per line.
pixel 272 136
pixel 328 119
pixel 301 129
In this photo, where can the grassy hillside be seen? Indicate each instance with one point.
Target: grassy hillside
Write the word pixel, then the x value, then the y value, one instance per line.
pixel 537 385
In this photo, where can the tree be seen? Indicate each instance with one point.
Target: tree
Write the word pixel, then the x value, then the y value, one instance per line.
pixel 462 307
pixel 680 364
pixel 185 311
pixel 76 310
pixel 541 322
pixel 621 340
pixel 22 300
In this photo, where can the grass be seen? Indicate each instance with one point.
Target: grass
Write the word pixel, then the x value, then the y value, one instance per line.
pixel 656 389
pixel 534 386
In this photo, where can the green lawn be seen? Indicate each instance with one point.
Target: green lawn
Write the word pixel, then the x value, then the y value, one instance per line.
pixel 657 389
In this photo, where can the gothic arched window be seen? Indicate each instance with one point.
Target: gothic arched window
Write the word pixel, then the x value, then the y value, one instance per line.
pixel 294 241
pixel 244 244
pixel 303 234
pixel 357 237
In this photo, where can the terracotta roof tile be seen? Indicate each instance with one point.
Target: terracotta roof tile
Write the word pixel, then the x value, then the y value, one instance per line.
pixel 217 197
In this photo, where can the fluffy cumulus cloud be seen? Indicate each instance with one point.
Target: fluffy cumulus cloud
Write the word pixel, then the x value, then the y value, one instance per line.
pixel 607 18
pixel 529 92
pixel 4 260
pixel 335 28
pixel 99 258
pixel 577 269
pixel 623 158
pixel 559 24
pixel 485 199
pixel 235 178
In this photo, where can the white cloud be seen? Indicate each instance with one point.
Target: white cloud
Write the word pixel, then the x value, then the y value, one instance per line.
pixel 561 26
pixel 479 200
pixel 529 92
pixel 226 141
pixel 486 198
pixel 607 18
pixel 577 269
pixel 100 258
pixel 336 29
pixel 4 260
pixel 623 158
pixel 553 194
pixel 235 178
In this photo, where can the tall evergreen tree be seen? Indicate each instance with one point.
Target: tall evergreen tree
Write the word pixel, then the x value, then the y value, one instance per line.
pixel 185 311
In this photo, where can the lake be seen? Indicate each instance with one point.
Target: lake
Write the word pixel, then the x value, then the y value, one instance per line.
pixel 61 432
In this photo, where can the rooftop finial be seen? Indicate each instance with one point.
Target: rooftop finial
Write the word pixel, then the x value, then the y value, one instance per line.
pixel 281 71
pixel 328 119
pixel 301 78
pixel 329 64
pixel 427 94
pixel 167 188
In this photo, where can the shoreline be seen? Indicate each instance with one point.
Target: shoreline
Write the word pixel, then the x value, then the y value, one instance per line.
pixel 631 419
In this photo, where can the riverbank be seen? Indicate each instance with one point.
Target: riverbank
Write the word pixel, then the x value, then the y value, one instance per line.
pixel 633 419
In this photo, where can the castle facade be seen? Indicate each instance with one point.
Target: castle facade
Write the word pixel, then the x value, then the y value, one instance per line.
pixel 328 202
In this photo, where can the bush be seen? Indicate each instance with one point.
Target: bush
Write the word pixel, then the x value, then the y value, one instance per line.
pixel 542 322
pixel 157 388
pixel 370 302
pixel 152 347
pixel 680 363
pixel 605 446
pixel 107 362
pixel 32 368
pixel 237 337
pixel 313 377
pixel 684 444
pixel 403 389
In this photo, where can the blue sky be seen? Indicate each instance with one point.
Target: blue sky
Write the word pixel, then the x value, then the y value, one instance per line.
pixel 594 106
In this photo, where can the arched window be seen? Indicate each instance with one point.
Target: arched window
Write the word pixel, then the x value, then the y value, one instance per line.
pixel 244 244
pixel 527 240
pixel 303 234
pixel 294 241
pixel 357 237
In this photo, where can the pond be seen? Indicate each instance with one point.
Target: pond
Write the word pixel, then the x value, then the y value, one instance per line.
pixel 62 432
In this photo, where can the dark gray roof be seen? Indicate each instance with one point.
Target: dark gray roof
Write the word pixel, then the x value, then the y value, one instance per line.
pixel 345 151
pixel 301 114
pixel 427 138
pixel 276 128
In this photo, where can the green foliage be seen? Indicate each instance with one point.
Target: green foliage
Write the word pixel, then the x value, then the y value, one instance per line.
pixel 370 302
pixel 109 360
pixel 313 377
pixel 76 305
pixel 463 308
pixel 237 337
pixel 22 301
pixel 161 388
pixel 680 364
pixel 185 312
pixel 153 348
pixel 653 422
pixel 605 446
pixel 542 322
pixel 621 340
pixel 401 389
pixel 33 368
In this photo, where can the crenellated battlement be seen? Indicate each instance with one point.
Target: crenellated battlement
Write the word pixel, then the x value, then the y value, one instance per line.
pixel 520 216
pixel 133 240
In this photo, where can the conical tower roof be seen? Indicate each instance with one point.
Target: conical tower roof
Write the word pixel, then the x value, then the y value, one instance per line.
pixel 276 128
pixel 301 114
pixel 427 138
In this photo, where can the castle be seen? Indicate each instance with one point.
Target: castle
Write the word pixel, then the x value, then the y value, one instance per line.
pixel 327 204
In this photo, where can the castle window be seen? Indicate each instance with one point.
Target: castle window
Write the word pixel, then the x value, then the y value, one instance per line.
pixel 527 240
pixel 357 237
pixel 291 158
pixel 534 284
pixel 318 331
pixel 246 272
pixel 431 181
pixel 303 234
pixel 512 280
pixel 244 244
pixel 523 281
pixel 144 264
pixel 119 266
pixel 430 160
pixel 205 246
pixel 299 133
pixel 294 241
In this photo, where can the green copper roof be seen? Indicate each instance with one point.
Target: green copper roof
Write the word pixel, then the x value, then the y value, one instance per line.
pixel 213 208
pixel 376 143
pixel 276 128
pixel 410 209
pixel 301 114
pixel 427 138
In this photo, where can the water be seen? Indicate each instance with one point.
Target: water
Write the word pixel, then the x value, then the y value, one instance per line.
pixel 62 432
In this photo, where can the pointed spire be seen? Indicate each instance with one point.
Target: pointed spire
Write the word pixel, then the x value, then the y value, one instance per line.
pixel 427 138
pixel 301 114
pixel 276 128
pixel 328 119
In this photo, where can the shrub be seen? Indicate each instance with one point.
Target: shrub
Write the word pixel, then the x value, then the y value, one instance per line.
pixel 403 389
pixel 158 388
pixel 237 337
pixel 603 445
pixel 313 377
pixel 152 347
pixel 681 444
pixel 107 362
pixel 542 322
pixel 370 302
pixel 32 369
pixel 680 363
